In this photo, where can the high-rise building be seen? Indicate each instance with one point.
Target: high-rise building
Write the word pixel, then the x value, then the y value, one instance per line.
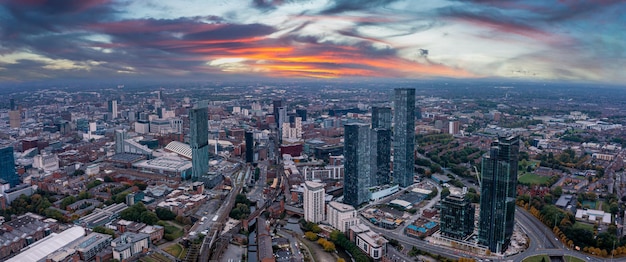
pixel 314 194
pixel 301 112
pixel 498 193
pixel 457 216
pixel 404 136
pixel 120 138
pixel 359 163
pixel 249 146
pixel 341 216
pixel 199 141
pixel 7 166
pixel 277 103
pixel 15 119
pixel 382 146
pixel 113 108
pixel 381 117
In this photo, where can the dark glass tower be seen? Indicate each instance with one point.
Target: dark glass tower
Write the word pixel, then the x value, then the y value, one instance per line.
pixel 249 147
pixel 199 141
pixel 382 147
pixel 7 166
pixel 404 136
pixel 381 117
pixel 498 193
pixel 457 216
pixel 358 163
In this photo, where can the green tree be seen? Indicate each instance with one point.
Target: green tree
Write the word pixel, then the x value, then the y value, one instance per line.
pixel 165 214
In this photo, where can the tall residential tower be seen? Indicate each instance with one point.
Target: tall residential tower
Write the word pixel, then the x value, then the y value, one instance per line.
pixel 404 136
pixel 199 141
pixel 358 165
pixel 498 193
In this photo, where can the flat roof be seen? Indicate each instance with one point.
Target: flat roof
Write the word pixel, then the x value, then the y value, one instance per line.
pixel 49 244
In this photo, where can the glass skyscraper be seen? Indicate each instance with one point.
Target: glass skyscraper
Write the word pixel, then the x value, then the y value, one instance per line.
pixel 382 147
pixel 199 141
pixel 498 193
pixel 381 117
pixel 381 128
pixel 404 136
pixel 457 216
pixel 358 163
pixel 7 166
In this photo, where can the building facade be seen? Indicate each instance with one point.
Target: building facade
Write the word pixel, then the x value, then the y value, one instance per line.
pixel 404 136
pixel 382 140
pixel 199 141
pixel 249 147
pixel 498 193
pixel 112 108
pixel 457 216
pixel 358 164
pixel 381 117
pixel 130 244
pixel 7 166
pixel 313 201
pixel 341 216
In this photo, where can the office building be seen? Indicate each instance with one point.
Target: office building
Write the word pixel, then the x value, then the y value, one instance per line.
pixel 301 112
pixel 113 108
pixel 341 216
pixel 15 119
pixel 381 117
pixel 199 141
pixel 277 104
pixel 457 216
pixel 382 146
pixel 313 201
pixel 120 137
pixel 7 166
pixel 249 146
pixel 498 193
pixel 130 244
pixel 404 136
pixel 359 163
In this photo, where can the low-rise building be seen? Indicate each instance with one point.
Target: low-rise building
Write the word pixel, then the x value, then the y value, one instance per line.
pixel 341 216
pixel 372 243
pixel 130 244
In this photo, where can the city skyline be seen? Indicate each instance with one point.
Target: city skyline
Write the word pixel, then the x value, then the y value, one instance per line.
pixel 100 39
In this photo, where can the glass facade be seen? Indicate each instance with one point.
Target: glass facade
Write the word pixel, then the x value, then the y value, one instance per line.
pixel 381 117
pixel 457 217
pixel 7 166
pixel 383 156
pixel 404 136
pixel 199 141
pixel 498 193
pixel 358 163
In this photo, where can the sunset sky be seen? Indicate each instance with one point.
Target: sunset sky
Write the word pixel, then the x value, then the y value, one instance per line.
pixel 565 40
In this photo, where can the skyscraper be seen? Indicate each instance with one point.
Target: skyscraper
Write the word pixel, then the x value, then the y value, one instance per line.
pixel 498 193
pixel 199 141
pixel 381 117
pixel 457 216
pixel 277 103
pixel 249 146
pixel 120 138
pixel 382 146
pixel 404 136
pixel 7 166
pixel 113 108
pixel 358 165
pixel 313 203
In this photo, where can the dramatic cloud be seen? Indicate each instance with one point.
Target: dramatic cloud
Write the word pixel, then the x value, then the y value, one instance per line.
pixel 566 40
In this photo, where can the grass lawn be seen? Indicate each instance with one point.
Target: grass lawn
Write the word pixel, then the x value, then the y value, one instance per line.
pixel 537 258
pixel 530 178
pixel 174 250
pixel 173 230
pixel 583 226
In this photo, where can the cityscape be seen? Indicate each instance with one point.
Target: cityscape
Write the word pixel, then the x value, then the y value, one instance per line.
pixel 312 131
